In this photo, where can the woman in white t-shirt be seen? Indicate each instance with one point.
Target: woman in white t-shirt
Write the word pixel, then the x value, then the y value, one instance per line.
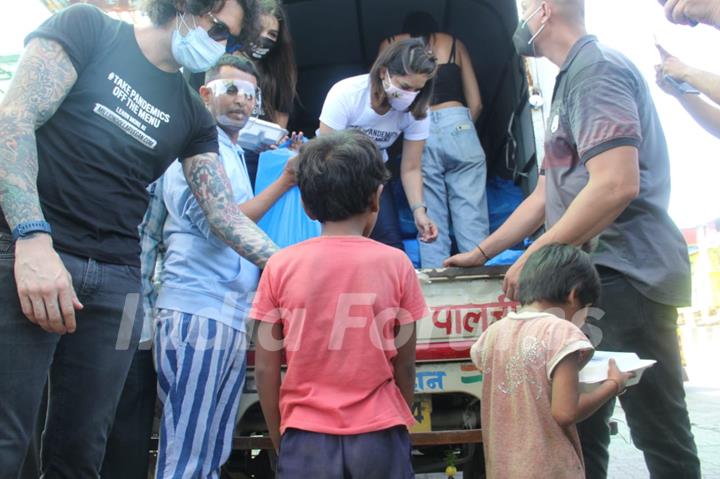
pixel 393 99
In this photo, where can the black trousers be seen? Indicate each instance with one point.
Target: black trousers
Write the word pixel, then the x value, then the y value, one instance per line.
pixel 655 408
pixel 127 454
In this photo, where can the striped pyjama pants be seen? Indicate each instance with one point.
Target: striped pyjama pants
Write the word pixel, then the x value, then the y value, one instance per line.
pixel 200 367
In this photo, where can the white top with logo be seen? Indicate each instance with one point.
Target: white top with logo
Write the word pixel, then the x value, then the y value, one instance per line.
pixel 348 105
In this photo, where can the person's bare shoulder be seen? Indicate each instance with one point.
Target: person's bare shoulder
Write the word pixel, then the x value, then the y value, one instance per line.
pixel 444 39
pixel 441 44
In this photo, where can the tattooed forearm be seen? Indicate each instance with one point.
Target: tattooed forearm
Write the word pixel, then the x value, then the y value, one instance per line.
pixel 43 78
pixel 209 182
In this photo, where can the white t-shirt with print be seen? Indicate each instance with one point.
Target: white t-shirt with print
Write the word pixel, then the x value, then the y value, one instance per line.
pixel 348 105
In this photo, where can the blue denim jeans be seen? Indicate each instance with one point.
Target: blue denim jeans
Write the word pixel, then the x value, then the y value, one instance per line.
pixel 454 175
pixel 85 370
pixel 655 408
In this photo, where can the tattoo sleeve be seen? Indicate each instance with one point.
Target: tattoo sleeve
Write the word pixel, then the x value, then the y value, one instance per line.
pixel 212 189
pixel 43 79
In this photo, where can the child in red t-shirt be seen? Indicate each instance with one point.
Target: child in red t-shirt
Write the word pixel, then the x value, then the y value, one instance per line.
pixel 343 308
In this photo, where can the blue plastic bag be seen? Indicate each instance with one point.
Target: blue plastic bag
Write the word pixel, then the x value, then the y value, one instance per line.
pixel 507 257
pixel 285 222
pixel 412 249
pixel 503 198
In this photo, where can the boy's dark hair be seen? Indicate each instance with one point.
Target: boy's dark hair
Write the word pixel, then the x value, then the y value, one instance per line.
pixel 338 173
pixel 553 271
pixel 162 11
pixel 405 57
pixel 241 63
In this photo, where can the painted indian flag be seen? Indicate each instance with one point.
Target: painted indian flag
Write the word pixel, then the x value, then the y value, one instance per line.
pixel 469 374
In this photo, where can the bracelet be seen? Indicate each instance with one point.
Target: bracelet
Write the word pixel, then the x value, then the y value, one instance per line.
pixel 482 252
pixel 418 206
pixel 620 390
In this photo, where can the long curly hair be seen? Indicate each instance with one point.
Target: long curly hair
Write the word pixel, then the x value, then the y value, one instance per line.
pixel 162 11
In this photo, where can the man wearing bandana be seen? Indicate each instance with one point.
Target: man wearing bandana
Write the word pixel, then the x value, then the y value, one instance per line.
pixel 205 291
pixel 605 184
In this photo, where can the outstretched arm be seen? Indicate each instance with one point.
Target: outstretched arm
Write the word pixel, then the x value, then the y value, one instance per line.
pixel 613 183
pixel 412 181
pixel 707 115
pixel 706 82
pixel 43 79
pixel 568 405
pixel 212 189
pixel 256 208
pixel 525 220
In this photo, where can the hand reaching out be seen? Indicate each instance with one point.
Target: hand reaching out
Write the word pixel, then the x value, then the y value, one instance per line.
pixel 672 67
pixel 290 172
pixel 618 377
pixel 426 228
pixel 690 12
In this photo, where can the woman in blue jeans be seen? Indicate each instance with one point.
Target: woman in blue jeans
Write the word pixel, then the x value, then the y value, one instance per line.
pixel 453 164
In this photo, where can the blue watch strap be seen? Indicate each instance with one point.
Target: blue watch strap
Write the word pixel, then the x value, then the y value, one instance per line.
pixel 28 227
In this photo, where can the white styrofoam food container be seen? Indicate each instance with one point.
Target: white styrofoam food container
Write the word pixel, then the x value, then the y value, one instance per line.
pixel 595 371
pixel 258 133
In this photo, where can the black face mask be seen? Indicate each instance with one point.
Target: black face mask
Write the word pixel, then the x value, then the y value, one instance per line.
pixel 233 44
pixel 523 38
pixel 262 47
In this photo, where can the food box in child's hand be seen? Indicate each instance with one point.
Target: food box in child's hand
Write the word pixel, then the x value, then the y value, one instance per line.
pixel 596 370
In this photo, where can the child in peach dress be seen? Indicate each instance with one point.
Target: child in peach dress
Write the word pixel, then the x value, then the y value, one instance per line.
pixel 530 362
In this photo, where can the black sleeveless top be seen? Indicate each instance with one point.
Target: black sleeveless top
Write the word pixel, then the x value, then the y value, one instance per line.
pixel 448 80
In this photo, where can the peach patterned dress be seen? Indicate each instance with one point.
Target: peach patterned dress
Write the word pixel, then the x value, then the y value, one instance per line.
pixel 517 356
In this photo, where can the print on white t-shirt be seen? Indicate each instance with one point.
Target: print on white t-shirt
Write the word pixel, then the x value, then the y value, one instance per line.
pixel 348 105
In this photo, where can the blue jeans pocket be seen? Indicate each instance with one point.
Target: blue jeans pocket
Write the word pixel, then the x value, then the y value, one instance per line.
pixel 467 144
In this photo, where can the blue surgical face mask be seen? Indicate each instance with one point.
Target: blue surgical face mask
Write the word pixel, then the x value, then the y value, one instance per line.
pixel 195 51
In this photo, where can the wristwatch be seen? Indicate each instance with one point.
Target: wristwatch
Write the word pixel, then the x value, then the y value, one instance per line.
pixel 416 206
pixel 27 228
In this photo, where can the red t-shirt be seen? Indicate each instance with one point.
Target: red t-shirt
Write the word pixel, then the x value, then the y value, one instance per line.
pixel 339 299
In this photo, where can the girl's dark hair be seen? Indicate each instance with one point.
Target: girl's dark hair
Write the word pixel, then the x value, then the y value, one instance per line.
pixel 553 271
pixel 162 11
pixel 338 173
pixel 405 57
pixel 277 69
pixel 420 24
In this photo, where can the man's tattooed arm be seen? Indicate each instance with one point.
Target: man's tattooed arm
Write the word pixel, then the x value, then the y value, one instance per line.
pixel 43 79
pixel 209 182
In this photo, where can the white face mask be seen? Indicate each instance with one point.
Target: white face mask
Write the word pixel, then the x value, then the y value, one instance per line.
pixel 195 51
pixel 399 99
